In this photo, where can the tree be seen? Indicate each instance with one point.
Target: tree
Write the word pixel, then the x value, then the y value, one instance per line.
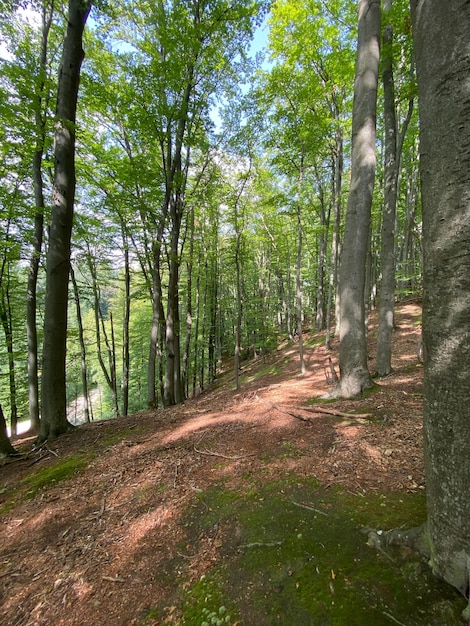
pixel 54 415
pixel 393 141
pixel 442 50
pixel 6 449
pixel 355 375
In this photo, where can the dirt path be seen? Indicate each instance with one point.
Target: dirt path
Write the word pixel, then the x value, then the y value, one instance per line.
pixel 104 545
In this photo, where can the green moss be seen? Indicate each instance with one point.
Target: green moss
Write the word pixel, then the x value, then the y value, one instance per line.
pixel 151 618
pixel 293 553
pixel 314 342
pixel 206 603
pixel 54 474
pixel 43 478
pixel 270 370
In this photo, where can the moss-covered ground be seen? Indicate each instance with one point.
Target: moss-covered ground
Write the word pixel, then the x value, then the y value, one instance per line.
pixel 292 553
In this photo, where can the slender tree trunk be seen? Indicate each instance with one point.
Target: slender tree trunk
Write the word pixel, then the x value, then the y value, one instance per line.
pixel 198 315
pixel 54 410
pixel 7 323
pixel 125 330
pixel 81 338
pixel 298 277
pixel 355 375
pixel 239 318
pixel 112 364
pixel 41 99
pixel 173 390
pixel 387 251
pixel 189 307
pixel 334 258
pixel 158 324
pixel 442 49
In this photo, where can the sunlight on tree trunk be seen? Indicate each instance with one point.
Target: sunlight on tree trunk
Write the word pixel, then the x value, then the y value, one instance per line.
pixel 355 376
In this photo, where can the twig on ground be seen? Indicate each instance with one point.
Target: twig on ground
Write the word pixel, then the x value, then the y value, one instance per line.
pixel 223 456
pixel 309 508
pixel 260 544
pixel 393 618
pixel 113 580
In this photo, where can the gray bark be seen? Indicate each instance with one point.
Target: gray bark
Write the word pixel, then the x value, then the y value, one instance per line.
pixel 54 414
pixel 355 375
pixel 41 99
pixel 442 49
pixel 387 251
pixel 6 449
pixel 334 255
pixel 81 338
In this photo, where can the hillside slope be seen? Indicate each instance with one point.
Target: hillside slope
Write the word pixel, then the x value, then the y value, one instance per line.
pixel 117 522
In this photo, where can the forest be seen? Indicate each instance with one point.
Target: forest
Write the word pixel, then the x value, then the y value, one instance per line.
pixel 186 185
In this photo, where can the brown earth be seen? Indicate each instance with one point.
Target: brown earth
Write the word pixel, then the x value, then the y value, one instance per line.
pixel 89 549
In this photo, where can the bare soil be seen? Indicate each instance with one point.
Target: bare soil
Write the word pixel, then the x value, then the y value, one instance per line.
pixel 89 549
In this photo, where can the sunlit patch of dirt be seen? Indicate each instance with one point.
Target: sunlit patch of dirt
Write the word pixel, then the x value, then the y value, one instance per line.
pixel 105 546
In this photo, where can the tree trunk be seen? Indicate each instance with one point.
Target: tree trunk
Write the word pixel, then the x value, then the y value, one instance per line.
pixel 442 48
pixel 387 252
pixel 127 317
pixel 7 323
pixel 238 325
pixel 298 277
pixel 54 410
pixel 81 337
pixel 6 449
pixel 173 393
pixel 158 324
pixel 334 256
pixel 31 303
pixel 354 370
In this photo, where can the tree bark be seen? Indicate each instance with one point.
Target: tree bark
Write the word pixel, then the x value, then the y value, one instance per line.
pixel 7 323
pixel 334 255
pixel 355 375
pixel 81 338
pixel 387 251
pixel 6 449
pixel 54 411
pixel 442 49
pixel 41 99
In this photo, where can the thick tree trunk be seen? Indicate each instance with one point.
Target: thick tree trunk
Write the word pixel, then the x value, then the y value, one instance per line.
pixel 442 49
pixel 6 449
pixel 354 370
pixel 54 413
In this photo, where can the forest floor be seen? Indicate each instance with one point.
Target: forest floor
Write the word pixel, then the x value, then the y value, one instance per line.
pixel 238 507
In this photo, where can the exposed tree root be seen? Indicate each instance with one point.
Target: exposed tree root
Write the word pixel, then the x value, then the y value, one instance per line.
pixel 414 538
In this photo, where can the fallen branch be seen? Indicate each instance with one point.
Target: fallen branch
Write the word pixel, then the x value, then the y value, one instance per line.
pixel 335 412
pixel 223 456
pixel 113 580
pixel 296 415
